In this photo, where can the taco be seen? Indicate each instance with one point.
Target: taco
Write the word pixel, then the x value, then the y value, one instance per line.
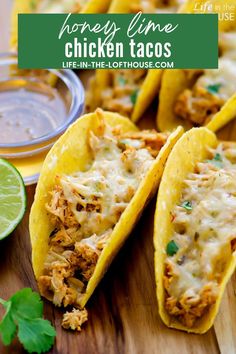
pixel 195 230
pixel 94 184
pixel 200 97
pixel 55 6
pixel 128 92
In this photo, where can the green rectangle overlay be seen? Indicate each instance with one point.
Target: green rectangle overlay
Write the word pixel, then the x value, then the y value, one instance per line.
pixel 118 41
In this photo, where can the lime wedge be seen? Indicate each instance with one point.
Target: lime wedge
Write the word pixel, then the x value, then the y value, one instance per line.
pixel 12 198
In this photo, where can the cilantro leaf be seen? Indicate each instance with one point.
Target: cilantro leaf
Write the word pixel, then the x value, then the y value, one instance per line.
pixel 121 80
pixel 27 303
pixel 36 335
pixel 187 205
pixel 217 157
pixel 24 314
pixel 216 161
pixel 213 89
pixel 7 328
pixel 134 96
pixel 172 248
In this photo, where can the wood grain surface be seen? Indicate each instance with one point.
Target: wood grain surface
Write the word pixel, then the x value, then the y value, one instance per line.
pixel 123 312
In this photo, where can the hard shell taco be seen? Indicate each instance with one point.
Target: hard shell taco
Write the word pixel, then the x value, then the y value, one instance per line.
pixel 94 184
pixel 128 92
pixel 200 97
pixel 195 230
pixel 55 6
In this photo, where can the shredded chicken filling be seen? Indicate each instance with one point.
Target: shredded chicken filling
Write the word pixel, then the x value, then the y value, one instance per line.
pixel 212 89
pixel 204 237
pixel 121 93
pixel 75 319
pixel 85 207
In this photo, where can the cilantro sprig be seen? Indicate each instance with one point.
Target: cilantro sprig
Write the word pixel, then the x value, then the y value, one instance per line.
pixel 214 89
pixel 134 96
pixel 23 317
pixel 172 248
pixel 121 81
pixel 187 204
pixel 216 161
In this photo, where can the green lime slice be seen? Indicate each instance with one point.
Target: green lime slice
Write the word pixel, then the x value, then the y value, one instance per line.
pixel 12 198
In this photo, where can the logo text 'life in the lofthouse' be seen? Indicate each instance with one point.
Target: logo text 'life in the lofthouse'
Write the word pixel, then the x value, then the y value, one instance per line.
pixel 107 49
pixel 118 41
pixel 225 10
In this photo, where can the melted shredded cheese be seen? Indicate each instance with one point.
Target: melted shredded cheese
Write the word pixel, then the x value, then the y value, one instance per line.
pixel 213 88
pixel 85 207
pixel 121 93
pixel 204 234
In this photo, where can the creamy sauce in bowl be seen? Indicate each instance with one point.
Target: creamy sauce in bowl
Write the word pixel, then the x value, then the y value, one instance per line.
pixel 29 110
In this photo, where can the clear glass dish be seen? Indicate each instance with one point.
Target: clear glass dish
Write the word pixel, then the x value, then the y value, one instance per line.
pixel 36 107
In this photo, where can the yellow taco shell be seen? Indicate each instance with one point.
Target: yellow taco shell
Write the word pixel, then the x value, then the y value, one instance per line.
pixel 123 6
pixel 152 82
pixel 66 157
pixel 176 81
pixel 25 7
pixel 173 83
pixel 190 149
pixel 147 92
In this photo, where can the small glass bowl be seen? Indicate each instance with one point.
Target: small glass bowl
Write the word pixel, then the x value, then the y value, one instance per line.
pixel 28 155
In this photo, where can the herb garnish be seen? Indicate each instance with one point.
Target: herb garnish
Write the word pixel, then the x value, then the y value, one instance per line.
pixel 23 315
pixel 217 160
pixel 121 80
pixel 172 248
pixel 134 96
pixel 187 204
pixel 214 88
pixel 217 157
